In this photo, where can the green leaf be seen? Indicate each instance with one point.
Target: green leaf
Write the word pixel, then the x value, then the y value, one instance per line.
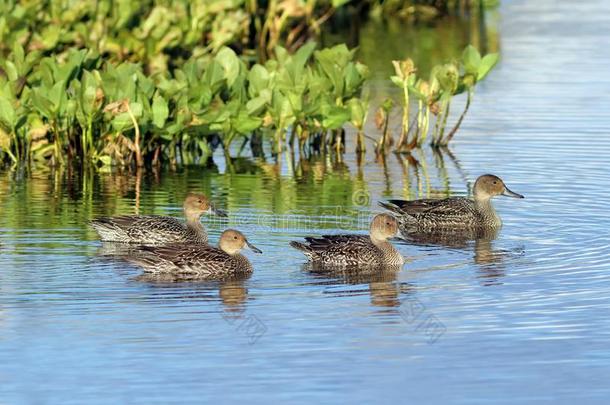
pixel 448 76
pixel 41 104
pixel 256 105
pixel 7 114
pixel 358 111
pixel 106 160
pixel 281 54
pixel 397 81
pixel 18 56
pixel 258 80
pixel 301 56
pixel 49 37
pixel 57 96
pixel 230 63
pixel 471 58
pixel 353 80
pixel 213 77
pixel 123 122
pixel 335 117
pixel 11 71
pixel 160 111
pixel 88 93
pixel 245 124
pixel 487 63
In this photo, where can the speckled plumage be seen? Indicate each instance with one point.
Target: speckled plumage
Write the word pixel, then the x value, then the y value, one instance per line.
pixel 455 212
pixel 148 229
pixel 159 230
pixel 200 260
pixel 203 261
pixel 452 213
pixel 349 251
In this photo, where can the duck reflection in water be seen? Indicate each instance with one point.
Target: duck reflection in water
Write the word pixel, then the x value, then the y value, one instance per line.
pixel 232 292
pixel 490 261
pixel 383 287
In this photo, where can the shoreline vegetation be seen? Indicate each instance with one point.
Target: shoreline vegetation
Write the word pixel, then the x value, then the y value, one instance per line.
pixel 120 84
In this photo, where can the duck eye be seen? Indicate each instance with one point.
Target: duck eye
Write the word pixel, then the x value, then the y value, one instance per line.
pixel 235 237
pixel 495 182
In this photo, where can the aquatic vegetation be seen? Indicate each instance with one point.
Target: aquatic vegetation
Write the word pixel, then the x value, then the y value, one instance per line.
pixel 158 34
pixel 427 10
pixel 435 95
pixel 382 120
pixel 129 84
pixel 80 107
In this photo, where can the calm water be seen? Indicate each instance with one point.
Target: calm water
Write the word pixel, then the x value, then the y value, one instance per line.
pixel 522 318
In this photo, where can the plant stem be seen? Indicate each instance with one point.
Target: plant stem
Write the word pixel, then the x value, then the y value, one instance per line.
pixel 459 122
pixel 405 118
pixel 360 146
pixel 57 146
pixel 424 134
pixel 420 121
pixel 139 160
pixel 444 125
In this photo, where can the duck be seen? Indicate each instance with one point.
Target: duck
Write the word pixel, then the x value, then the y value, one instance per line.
pixel 457 213
pixel 156 229
pixel 198 259
pixel 373 250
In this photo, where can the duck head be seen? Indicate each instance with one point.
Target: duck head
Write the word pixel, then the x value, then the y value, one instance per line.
pixel 195 205
pixel 383 227
pixel 232 242
pixel 488 186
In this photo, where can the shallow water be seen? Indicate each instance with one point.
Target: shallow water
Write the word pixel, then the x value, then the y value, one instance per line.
pixel 521 318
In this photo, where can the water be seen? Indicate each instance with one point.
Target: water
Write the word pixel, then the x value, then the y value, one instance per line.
pixel 522 318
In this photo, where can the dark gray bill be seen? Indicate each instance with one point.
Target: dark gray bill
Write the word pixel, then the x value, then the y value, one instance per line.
pixel 509 193
pixel 253 248
pixel 216 211
pixel 399 236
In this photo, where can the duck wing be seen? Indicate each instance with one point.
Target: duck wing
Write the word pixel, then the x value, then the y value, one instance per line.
pixel 429 213
pixel 139 228
pixel 405 207
pixel 201 259
pixel 325 241
pixel 339 250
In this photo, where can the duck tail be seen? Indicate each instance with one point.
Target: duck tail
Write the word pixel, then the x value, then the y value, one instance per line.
pixel 107 229
pixel 306 249
pixel 300 246
pixel 144 257
pixel 391 206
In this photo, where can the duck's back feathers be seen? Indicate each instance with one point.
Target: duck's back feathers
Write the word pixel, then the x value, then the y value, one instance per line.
pixel 203 260
pixel 347 251
pixel 429 214
pixel 330 240
pixel 148 229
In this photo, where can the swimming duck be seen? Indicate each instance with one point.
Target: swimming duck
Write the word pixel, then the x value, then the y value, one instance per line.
pixel 455 212
pixel 356 250
pixel 198 259
pixel 156 229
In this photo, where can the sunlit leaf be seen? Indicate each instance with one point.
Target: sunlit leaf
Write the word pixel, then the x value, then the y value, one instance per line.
pixel 487 63
pixel 230 63
pixel 160 111
pixel 7 114
pixel 471 58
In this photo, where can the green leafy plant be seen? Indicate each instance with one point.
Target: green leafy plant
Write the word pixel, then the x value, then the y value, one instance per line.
pixel 78 107
pixel 434 96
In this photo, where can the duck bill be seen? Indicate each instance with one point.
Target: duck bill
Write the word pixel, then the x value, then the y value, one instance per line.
pixel 512 194
pixel 398 236
pixel 253 248
pixel 218 212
